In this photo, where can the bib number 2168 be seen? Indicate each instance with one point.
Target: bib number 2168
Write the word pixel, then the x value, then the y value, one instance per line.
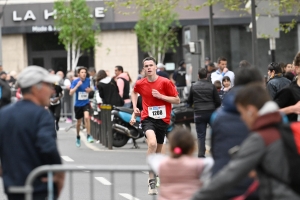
pixel 157 112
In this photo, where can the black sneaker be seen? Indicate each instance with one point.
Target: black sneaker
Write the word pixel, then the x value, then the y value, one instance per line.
pixel 152 187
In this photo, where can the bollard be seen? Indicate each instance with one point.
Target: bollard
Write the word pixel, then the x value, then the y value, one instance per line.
pixel 109 128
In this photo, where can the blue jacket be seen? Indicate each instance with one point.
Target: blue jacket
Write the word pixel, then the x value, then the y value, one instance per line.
pixel 27 141
pixel 228 130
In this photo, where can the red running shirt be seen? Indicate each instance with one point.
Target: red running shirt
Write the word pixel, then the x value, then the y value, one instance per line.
pixel 164 86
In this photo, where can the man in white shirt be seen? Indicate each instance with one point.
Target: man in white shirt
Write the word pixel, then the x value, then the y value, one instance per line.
pixel 222 71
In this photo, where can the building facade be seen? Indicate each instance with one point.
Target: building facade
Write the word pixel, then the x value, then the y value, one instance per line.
pixel 29 37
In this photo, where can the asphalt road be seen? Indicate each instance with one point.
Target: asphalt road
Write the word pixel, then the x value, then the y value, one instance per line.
pixel 105 186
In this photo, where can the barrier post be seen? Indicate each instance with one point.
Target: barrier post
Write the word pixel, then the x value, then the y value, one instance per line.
pixel 109 128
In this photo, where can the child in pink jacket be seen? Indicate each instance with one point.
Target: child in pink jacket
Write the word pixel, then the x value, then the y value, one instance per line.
pixel 181 174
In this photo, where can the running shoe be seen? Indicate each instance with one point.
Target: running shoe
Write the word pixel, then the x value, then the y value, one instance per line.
pixel 157 181
pixel 78 142
pixel 90 139
pixel 152 187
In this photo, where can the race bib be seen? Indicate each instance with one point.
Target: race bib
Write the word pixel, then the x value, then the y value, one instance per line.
pixel 83 96
pixel 157 112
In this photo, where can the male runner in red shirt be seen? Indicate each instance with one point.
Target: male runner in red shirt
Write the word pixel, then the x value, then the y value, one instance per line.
pixel 158 95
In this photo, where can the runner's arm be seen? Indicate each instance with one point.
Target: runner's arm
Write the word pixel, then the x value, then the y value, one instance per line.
pixel 73 90
pixel 172 100
pixel 291 109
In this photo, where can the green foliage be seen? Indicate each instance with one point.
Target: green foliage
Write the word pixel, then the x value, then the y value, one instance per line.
pixel 75 24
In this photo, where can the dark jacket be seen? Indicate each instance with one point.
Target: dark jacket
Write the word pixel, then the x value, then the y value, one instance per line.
pixel 5 93
pixel 163 74
pixel 254 154
pixel 277 83
pixel 209 75
pixel 179 77
pixel 204 96
pixel 27 145
pixel 109 92
pixel 287 97
pixel 228 131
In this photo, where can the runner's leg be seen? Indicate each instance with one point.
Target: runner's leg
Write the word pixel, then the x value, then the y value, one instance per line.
pixel 87 121
pixel 152 146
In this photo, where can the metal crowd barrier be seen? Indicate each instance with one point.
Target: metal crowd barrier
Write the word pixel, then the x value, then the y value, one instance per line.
pixel 182 93
pixel 114 172
pixel 67 105
pixel 101 126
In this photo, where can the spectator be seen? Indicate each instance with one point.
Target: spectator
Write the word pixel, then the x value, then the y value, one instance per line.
pixel 263 150
pixel 108 89
pixel 244 63
pixel 228 129
pixel 222 71
pixel 161 70
pixel 141 74
pixel 289 96
pixel 51 71
pixel 55 104
pixel 276 80
pixel 218 86
pixel 211 68
pixel 205 98
pixel 290 76
pixel 31 143
pixel 181 174
pixel 123 84
pixel 179 75
pixel 226 83
pixel 5 92
pixel 62 76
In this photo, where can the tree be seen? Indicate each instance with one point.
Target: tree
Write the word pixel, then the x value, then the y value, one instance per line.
pixel 157 26
pixel 75 26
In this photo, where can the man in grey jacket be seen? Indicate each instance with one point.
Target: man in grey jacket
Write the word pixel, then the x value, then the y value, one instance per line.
pixel 262 151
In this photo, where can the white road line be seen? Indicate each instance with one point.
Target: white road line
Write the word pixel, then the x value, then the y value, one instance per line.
pixel 128 196
pixel 103 180
pixel 67 158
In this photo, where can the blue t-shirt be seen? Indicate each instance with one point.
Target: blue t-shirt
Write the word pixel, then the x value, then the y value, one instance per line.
pixel 82 97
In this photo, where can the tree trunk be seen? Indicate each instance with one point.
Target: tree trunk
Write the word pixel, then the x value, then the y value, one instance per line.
pixel 69 56
pixel 73 55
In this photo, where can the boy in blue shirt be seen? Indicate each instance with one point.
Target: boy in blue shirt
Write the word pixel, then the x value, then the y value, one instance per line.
pixel 81 88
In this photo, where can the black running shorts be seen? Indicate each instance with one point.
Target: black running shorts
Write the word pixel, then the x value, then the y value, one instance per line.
pixel 80 110
pixel 158 126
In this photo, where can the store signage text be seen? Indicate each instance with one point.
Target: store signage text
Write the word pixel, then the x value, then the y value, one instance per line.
pixel 29 15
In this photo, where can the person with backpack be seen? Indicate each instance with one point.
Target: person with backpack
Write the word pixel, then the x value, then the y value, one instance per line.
pixel 108 89
pixel 263 151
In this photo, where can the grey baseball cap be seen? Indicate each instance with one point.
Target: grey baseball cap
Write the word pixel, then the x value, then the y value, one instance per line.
pixel 32 75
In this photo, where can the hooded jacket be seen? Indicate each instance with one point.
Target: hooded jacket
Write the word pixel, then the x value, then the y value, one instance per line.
pixel 255 154
pixel 228 131
pixel 108 91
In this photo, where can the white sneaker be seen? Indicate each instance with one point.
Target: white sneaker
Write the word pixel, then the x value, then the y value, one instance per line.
pixel 152 187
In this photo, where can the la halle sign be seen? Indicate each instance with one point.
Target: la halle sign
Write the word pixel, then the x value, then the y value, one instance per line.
pixel 29 15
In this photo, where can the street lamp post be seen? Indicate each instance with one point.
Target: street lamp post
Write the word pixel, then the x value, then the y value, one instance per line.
pixel 211 34
pixel 254 32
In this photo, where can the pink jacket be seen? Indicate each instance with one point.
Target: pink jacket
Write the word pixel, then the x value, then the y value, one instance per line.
pixel 180 177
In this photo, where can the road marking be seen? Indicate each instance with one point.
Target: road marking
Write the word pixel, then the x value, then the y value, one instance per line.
pixel 128 196
pixel 103 180
pixel 67 158
pixel 145 172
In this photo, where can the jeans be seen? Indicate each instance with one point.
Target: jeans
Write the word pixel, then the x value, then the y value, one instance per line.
pixel 127 105
pixel 201 120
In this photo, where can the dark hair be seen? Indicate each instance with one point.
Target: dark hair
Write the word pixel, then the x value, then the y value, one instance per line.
pixel 101 75
pixel 81 68
pixel 297 59
pixel 211 64
pixel 245 75
pixel 217 84
pixel 289 75
pixel 253 94
pixel 140 71
pixel 183 139
pixel 244 63
pixel 147 59
pixel 120 68
pixel 92 69
pixel 202 73
pixel 221 59
pixel 26 90
pixel 273 66
pixel 225 78
pixel 181 63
